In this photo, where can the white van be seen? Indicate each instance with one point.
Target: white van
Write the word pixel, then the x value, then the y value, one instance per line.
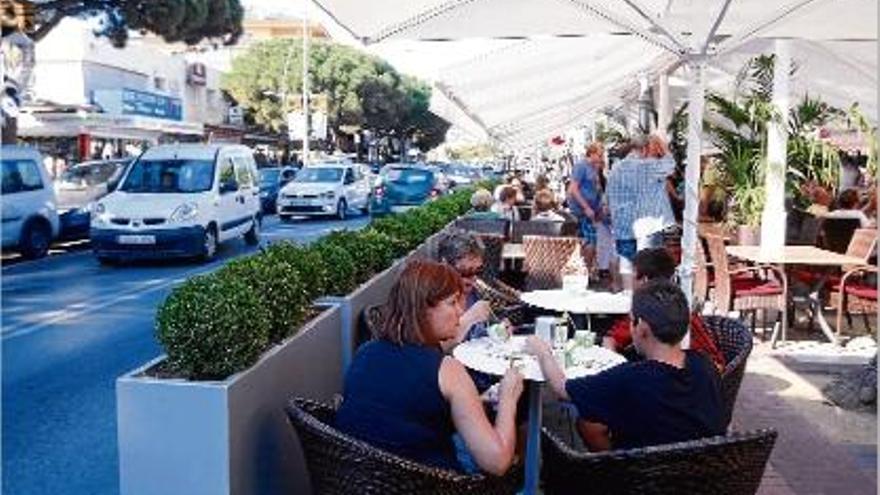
pixel 30 215
pixel 325 189
pixel 179 200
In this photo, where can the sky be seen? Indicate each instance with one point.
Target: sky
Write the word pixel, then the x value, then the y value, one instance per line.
pixel 423 59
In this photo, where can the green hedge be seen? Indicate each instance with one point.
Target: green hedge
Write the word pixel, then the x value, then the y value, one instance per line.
pixel 215 325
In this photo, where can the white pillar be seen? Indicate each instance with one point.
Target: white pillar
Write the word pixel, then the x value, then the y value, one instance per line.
pixel 664 105
pixel 697 98
pixel 773 217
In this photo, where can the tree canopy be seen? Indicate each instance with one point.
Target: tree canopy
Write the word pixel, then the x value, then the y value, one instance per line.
pixel 188 21
pixel 362 91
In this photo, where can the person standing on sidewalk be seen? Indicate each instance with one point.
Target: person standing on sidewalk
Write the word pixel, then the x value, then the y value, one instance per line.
pixel 585 198
pixel 640 208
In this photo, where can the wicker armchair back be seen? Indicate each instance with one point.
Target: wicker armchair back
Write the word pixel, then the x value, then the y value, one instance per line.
pixel 723 465
pixel 734 340
pixel 339 464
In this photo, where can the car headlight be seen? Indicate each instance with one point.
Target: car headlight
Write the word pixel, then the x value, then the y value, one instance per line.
pixel 184 212
pixel 97 208
pixel 328 195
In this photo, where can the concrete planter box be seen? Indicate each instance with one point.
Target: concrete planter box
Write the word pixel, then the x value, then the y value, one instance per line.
pixel 227 437
pixel 232 437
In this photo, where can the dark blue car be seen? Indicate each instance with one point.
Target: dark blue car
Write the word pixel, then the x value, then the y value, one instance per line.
pixel 271 181
pixel 404 186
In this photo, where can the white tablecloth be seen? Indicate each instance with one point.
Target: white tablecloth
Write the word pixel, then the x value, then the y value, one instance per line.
pixel 583 302
pixel 493 358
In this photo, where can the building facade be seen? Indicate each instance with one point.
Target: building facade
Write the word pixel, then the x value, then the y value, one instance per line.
pixel 92 100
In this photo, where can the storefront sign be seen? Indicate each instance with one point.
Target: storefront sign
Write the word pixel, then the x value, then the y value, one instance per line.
pixel 196 74
pixel 150 104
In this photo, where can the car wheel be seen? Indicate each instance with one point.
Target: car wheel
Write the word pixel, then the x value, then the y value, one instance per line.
pixel 252 236
pixel 209 244
pixel 35 240
pixel 341 209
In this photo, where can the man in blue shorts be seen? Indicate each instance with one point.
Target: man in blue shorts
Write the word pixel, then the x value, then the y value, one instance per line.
pixel 585 198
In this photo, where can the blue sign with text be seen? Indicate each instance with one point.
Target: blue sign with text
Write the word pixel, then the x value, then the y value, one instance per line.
pixel 150 104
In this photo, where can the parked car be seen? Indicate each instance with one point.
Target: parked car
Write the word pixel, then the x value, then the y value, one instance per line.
pixel 271 181
pixel 325 189
pixel 179 200
pixel 462 175
pixel 404 186
pixel 79 187
pixel 30 215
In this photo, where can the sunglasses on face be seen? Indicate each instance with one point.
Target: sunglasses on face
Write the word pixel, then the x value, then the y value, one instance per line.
pixel 470 272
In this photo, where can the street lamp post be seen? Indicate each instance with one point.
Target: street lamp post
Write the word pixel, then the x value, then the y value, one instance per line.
pixel 305 85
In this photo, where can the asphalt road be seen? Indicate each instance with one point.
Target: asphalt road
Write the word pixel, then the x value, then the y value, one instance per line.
pixel 70 327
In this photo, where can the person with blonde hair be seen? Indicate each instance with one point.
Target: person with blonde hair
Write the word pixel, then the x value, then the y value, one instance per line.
pixel 405 396
pixel 481 202
pixel 545 207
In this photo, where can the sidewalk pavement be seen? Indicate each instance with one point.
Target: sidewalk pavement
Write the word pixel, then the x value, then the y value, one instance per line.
pixel 821 449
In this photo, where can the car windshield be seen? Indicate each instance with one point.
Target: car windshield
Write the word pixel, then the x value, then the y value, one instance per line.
pixel 170 176
pixel 319 174
pixel 90 174
pixel 269 176
pixel 407 176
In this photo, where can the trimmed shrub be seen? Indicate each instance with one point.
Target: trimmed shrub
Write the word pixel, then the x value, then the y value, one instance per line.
pixel 340 267
pixel 212 326
pixel 278 285
pixel 307 262
pixel 215 325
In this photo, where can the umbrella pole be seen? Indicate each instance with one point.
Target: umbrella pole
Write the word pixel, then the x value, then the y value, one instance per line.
pixel 697 98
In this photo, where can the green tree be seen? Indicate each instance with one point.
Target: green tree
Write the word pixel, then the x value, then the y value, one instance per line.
pixel 188 21
pixel 362 91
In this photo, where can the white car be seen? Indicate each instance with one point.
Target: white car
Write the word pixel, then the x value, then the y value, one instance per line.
pixel 325 189
pixel 30 214
pixel 179 200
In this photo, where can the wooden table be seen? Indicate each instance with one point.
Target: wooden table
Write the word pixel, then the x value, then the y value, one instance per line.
pixel 799 255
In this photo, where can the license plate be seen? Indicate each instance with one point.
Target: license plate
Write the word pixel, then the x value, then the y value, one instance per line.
pixel 137 239
pixel 301 202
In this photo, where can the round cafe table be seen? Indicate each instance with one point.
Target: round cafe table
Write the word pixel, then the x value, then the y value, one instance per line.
pixel 579 302
pixel 488 356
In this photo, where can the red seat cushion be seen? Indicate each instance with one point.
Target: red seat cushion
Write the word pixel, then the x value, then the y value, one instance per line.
pixel 861 290
pixel 811 277
pixel 759 288
pixel 703 342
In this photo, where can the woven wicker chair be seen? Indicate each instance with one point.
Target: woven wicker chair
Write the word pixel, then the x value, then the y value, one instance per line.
pixel 747 294
pixel 339 464
pixel 497 226
pixel 734 340
pixel 503 299
pixel 855 293
pixel 545 258
pixel 522 228
pixel 723 465
pixel 493 245
pixel 373 320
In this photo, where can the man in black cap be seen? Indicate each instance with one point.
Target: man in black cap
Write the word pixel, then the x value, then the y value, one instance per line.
pixel 671 396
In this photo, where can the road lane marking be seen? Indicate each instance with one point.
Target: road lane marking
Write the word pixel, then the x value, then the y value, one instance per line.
pixel 22 329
